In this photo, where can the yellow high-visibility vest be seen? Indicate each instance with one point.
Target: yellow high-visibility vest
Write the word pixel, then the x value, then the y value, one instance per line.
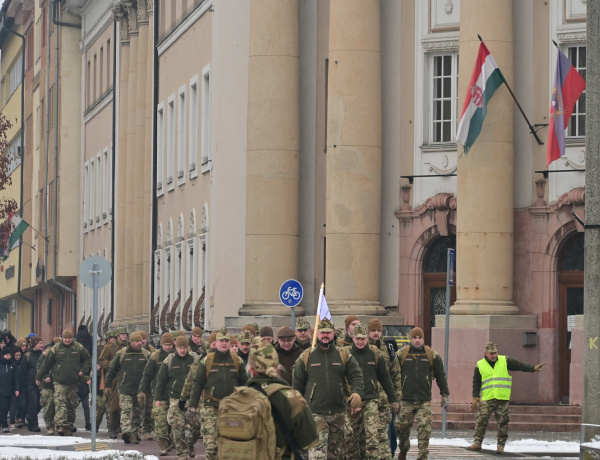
pixel 495 381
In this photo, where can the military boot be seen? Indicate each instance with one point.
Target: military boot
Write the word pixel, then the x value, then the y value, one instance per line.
pixel 475 446
pixel 500 449
pixel 163 447
pixel 402 456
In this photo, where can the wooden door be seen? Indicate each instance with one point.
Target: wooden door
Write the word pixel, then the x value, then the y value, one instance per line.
pixel 570 304
pixel 434 300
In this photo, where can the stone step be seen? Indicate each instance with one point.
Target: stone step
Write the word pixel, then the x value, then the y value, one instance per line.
pixel 514 426
pixel 520 418
pixel 519 409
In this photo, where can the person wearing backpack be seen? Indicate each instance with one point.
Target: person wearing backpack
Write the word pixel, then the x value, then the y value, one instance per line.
pixel 275 420
pixel 320 376
pixel 419 365
pixel 386 417
pixel 217 375
pixel 146 392
pixel 169 383
pixel 127 368
pixel 68 361
pixel 364 443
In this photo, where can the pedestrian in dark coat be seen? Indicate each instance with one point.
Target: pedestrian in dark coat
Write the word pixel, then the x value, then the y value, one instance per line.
pixel 287 351
pixel 17 403
pixel 28 370
pixel 8 386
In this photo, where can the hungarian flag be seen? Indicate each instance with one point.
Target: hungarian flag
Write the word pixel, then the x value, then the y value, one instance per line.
pixel 484 82
pixel 568 86
pixel 16 227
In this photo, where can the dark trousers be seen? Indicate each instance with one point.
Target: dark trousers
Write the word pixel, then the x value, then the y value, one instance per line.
pixel 83 392
pixel 17 408
pixel 33 406
pixel 4 408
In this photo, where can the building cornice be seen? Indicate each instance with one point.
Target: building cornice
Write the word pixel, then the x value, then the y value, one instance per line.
pixel 184 25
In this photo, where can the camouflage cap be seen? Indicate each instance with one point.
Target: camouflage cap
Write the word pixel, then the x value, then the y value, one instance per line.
pixel 245 337
pixel 120 330
pixel 360 331
pixel 302 323
pixel 223 333
pixel 325 325
pixel 340 332
pixel 263 355
pixel 175 333
pixel 491 347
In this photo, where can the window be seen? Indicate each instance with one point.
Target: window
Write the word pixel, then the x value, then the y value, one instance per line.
pixel 160 149
pixel 193 149
pixel 29 50
pixel 51 203
pixel 170 142
pixel 94 93
pixel 13 152
pixel 44 27
pixel 99 182
pixel 91 197
pixel 576 128
pixel 181 144
pixel 108 63
pixel 88 76
pixel 106 171
pixel 101 73
pixel 444 78
pixel 15 74
pixel 206 158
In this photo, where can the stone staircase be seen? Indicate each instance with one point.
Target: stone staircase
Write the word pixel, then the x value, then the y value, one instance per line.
pixel 522 418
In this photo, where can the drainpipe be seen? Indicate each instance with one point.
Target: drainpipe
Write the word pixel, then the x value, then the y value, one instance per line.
pixel 22 154
pixel 113 159
pixel 154 160
pixel 55 198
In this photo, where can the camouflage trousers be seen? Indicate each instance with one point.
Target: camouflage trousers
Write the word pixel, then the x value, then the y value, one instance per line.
pixel 161 424
pixel 364 442
pixel 47 402
pixel 385 418
pixel 209 431
pixel 331 444
pixel 422 409
pixel 66 401
pixel 195 428
pixel 100 409
pixel 501 411
pixel 178 423
pixel 147 419
pixel 131 414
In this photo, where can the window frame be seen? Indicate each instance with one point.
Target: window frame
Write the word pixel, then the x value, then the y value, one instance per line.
pixel 454 106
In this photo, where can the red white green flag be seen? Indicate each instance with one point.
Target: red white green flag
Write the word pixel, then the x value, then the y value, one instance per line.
pixel 16 227
pixel 484 82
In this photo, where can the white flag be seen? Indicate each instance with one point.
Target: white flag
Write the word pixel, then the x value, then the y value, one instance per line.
pixel 324 309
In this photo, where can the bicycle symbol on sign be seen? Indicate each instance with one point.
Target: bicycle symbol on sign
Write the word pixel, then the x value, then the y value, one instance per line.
pixel 291 292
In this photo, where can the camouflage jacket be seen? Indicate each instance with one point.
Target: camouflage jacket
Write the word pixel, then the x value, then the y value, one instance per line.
pixel 393 366
pixel 150 373
pixel 65 362
pixel 127 366
pixel 189 380
pixel 375 372
pixel 171 375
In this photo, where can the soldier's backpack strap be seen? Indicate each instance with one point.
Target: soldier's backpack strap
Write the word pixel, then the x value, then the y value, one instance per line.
pixel 121 354
pixel 210 362
pixel 428 351
pixel 376 352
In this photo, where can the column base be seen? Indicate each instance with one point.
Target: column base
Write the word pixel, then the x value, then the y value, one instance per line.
pixel 484 307
pixel 268 308
pixel 355 307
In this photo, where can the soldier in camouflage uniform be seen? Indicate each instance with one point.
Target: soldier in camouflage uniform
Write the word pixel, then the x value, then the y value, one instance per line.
pixel 264 369
pixel 365 421
pixel 417 372
pixel 169 383
pixel 197 344
pixel 47 392
pixel 127 367
pixel 244 341
pixel 146 392
pixel 320 375
pixel 218 373
pixel 375 328
pixel 303 333
pixel 108 353
pixel 147 422
pixel 74 361
pixel 492 380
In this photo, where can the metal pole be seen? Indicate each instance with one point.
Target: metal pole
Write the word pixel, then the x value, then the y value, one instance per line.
pixel 95 273
pixel 449 283
pixel 294 318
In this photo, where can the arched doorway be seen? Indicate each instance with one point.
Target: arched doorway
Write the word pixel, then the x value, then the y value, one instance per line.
pixel 570 304
pixel 434 282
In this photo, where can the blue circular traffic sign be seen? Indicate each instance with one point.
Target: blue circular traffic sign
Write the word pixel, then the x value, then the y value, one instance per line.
pixel 291 293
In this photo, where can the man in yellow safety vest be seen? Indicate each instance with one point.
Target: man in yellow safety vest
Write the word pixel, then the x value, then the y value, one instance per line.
pixel 492 380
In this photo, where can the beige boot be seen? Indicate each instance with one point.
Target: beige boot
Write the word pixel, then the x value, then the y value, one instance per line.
pixel 500 449
pixel 475 446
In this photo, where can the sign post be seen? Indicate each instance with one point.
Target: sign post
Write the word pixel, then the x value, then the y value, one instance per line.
pixel 449 284
pixel 290 294
pixel 95 272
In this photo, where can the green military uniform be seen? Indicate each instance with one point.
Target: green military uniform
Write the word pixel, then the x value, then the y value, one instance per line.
pixel 213 385
pixel 47 397
pixel 493 381
pixel 194 423
pixel 417 375
pixel 114 411
pixel 385 413
pixel 322 382
pixel 365 424
pixel 169 383
pixel 303 325
pixel 127 367
pixel 65 362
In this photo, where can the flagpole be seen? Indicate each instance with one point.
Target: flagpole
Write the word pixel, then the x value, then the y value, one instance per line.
pixel 314 341
pixel 531 127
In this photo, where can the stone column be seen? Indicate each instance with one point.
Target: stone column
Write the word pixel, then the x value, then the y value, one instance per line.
pixel 273 149
pixel 130 223
pixel 484 241
pixel 121 164
pixel 354 158
pixel 141 226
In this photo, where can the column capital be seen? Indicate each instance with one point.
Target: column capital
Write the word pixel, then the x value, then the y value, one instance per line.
pixel 121 15
pixel 143 15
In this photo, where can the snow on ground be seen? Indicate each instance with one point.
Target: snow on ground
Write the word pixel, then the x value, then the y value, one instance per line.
pixel 523 445
pixel 35 447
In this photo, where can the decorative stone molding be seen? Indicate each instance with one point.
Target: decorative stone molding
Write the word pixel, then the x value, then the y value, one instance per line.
pixel 440 205
pixel 406 197
pixel 540 187
pixel 121 15
pixel 437 46
pixel 574 197
pixel 159 237
pixel 132 18
pixel 204 221
pixel 180 231
pixel 192 232
pixel 143 16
